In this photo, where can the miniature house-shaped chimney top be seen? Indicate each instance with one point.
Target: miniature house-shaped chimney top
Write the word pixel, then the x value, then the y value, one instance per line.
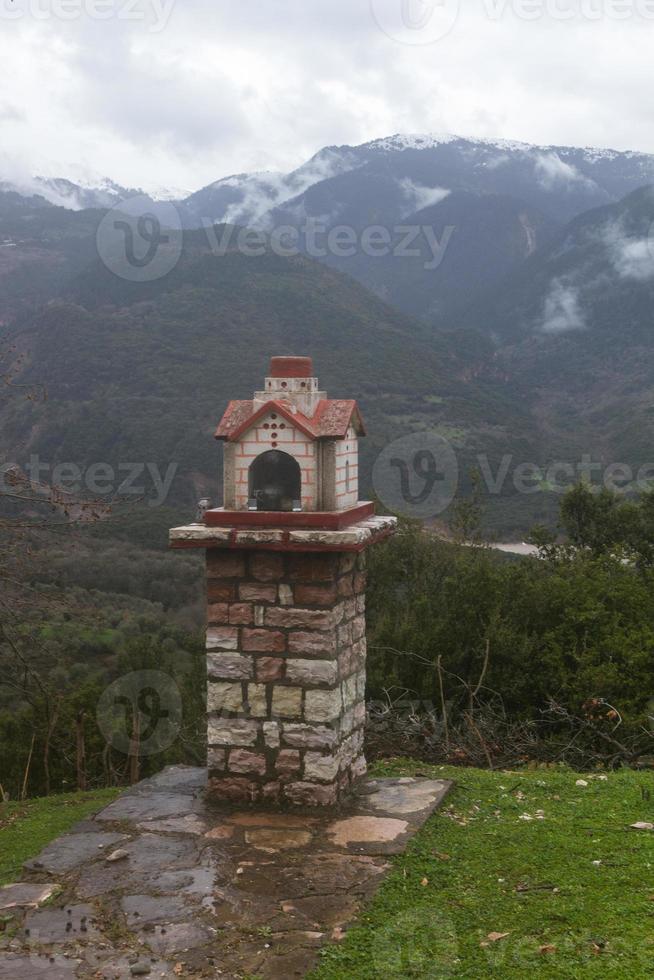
pixel 286 583
pixel 291 449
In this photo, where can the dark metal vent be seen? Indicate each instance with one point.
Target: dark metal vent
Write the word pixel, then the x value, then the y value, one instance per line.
pixel 275 483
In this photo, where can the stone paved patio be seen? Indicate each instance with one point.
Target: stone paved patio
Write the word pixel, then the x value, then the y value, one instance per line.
pixel 160 884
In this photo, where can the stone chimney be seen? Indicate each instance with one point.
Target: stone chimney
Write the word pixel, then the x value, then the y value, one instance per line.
pixel 286 581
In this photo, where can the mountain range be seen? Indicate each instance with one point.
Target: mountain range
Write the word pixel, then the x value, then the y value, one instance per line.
pixel 529 339
pixel 488 206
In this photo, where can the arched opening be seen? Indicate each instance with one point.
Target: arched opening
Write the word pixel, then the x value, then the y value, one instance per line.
pixel 275 482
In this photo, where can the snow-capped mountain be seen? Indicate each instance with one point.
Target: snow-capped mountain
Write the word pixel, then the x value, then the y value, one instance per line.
pixel 74 195
pixel 567 179
pixel 247 199
pixel 563 180
pixel 480 207
pixel 458 214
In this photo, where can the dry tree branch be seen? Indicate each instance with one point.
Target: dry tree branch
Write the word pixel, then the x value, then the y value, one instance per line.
pixel 439 668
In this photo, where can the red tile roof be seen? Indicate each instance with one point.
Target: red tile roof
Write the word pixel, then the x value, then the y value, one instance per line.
pixel 331 419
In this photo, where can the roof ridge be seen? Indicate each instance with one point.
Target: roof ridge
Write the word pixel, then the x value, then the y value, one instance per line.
pixel 331 418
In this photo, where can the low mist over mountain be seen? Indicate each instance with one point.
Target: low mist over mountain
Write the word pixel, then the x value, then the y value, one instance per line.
pixel 562 181
pixel 456 215
pixel 66 193
pixel 575 327
pixel 479 208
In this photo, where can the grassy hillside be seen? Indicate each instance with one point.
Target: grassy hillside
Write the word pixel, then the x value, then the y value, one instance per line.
pixel 554 365
pixel 574 333
pixel 142 373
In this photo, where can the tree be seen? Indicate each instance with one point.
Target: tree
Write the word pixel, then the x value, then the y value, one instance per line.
pixel 30 510
pixel 602 523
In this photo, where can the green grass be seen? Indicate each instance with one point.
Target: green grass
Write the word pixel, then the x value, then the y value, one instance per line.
pixel 25 828
pixel 477 868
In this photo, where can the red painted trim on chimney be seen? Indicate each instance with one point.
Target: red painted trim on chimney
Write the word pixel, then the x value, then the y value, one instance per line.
pixel 307 520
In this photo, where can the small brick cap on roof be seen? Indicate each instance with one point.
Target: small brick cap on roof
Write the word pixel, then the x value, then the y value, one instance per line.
pixel 331 419
pixel 291 367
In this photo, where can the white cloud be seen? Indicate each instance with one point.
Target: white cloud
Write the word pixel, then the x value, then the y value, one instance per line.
pixel 419 197
pixel 563 312
pixel 231 87
pixel 635 259
pixel 632 257
pixel 260 193
pixel 552 171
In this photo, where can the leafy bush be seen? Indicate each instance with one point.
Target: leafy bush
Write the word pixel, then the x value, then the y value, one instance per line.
pixel 564 639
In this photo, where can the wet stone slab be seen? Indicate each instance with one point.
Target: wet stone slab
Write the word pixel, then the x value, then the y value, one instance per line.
pixel 73 850
pixel 176 778
pixel 175 938
pixel 24 895
pixel 363 831
pixel 198 891
pixel 146 806
pixel 141 910
pixel 73 923
pixel 20 967
pixel 405 795
pixel 96 881
pixel 190 824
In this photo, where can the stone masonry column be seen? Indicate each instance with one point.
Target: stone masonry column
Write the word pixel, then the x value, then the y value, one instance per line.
pixel 286 654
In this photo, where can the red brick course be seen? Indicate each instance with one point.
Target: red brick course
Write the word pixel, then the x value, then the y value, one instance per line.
pixel 218 591
pixel 268 669
pixel 241 614
pixel 312 567
pixel 218 614
pixel 263 641
pixel 314 619
pixel 315 595
pixel 225 564
pixel 266 567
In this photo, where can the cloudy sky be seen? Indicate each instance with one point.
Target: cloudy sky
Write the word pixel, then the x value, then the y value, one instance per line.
pixel 177 93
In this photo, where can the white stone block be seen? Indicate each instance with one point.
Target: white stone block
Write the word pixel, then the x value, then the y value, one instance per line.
pixel 271 734
pixel 222 638
pixel 224 697
pixel 321 767
pixel 257 700
pixel 323 705
pixel 225 731
pixel 287 702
